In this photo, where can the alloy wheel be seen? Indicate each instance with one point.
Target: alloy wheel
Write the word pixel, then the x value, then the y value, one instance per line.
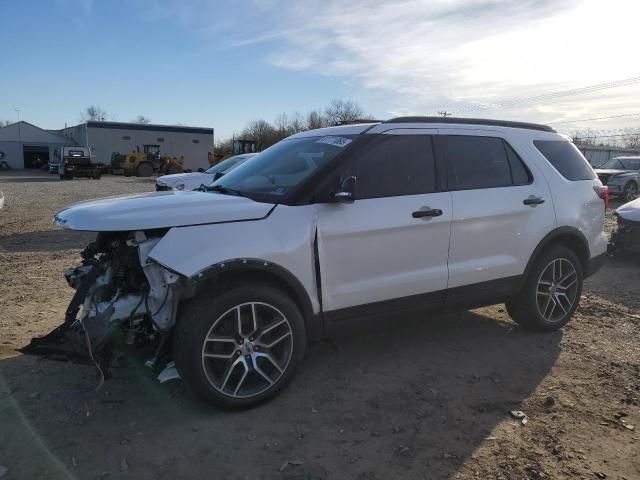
pixel 247 349
pixel 557 290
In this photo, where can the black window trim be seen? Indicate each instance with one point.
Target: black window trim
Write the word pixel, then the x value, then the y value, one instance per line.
pixel 316 189
pixel 451 179
pixel 435 167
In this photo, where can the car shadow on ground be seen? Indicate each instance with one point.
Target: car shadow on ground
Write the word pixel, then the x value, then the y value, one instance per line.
pixel 411 398
pixel 46 241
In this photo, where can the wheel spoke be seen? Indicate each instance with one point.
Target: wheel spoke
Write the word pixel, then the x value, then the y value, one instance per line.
pixel 244 375
pixel 271 327
pixel 259 370
pixel 254 317
pixel 219 355
pixel 270 359
pixel 275 342
pixel 221 340
pixel 239 320
pixel 559 303
pixel 230 370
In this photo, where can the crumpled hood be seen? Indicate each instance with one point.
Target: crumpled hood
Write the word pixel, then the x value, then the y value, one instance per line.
pixel 189 180
pixel 630 211
pixel 145 211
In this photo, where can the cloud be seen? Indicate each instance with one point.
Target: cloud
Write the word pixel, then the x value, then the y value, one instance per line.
pixel 419 56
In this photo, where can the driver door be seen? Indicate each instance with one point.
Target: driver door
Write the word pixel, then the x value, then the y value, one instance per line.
pixel 392 241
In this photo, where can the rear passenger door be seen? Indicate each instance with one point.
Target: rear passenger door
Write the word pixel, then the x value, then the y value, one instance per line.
pixel 501 211
pixel 392 241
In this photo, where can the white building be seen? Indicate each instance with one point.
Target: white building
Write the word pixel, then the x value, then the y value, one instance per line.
pixel 24 145
pixel 105 138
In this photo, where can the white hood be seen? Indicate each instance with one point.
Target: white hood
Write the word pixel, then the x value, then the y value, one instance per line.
pixel 145 211
pixel 189 180
pixel 630 211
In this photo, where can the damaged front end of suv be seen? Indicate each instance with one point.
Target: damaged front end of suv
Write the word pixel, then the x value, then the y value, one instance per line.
pixel 121 297
pixel 626 238
pixel 146 261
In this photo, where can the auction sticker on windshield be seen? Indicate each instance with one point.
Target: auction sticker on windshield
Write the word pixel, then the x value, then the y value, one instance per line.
pixel 335 141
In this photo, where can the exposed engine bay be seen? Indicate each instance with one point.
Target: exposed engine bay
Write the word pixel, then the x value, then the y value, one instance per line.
pixel 122 299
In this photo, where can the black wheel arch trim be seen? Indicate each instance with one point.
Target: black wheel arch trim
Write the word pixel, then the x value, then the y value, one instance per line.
pixel 247 266
pixel 550 238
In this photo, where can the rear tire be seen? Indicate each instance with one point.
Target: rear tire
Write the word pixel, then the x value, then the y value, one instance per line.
pixel 551 293
pixel 239 363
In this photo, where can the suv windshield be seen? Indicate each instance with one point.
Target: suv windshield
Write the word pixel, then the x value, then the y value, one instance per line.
pixel 283 167
pixel 622 164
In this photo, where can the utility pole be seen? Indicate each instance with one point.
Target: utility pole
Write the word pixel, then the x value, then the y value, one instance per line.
pixel 444 113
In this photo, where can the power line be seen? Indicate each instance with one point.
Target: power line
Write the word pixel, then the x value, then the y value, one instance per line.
pixel 555 95
pixel 596 118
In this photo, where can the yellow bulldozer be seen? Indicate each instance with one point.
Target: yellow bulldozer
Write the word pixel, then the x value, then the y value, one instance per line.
pixel 142 164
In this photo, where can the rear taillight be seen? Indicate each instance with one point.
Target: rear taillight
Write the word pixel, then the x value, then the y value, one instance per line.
pixel 603 193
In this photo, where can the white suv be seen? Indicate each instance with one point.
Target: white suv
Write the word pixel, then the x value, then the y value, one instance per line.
pixel 328 226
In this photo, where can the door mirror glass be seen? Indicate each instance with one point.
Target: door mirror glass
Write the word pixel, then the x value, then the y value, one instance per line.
pixel 346 191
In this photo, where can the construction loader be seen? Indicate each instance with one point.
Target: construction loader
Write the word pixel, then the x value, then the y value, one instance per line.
pixel 143 164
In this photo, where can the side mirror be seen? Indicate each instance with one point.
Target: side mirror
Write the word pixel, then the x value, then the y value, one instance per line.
pixel 217 175
pixel 346 192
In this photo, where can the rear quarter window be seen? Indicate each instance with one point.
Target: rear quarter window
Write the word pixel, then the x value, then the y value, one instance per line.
pixel 566 159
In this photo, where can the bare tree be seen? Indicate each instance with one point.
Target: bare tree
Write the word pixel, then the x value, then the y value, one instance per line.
pixel 343 111
pixel 316 119
pixel 631 138
pixel 93 113
pixel 5 123
pixel 282 125
pixel 296 123
pixel 584 138
pixel 261 132
pixel 142 119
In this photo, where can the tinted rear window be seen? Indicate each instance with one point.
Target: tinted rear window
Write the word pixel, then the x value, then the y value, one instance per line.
pixel 483 162
pixel 566 159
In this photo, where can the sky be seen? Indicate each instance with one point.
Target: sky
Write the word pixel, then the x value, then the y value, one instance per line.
pixel 222 63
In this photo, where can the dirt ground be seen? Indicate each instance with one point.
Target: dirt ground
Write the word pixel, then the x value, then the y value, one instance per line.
pixel 412 398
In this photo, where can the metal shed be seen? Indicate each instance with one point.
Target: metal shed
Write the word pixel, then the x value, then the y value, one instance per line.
pixel 24 145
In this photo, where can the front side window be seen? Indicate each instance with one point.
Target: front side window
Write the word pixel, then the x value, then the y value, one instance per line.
pixel 394 165
pixel 280 169
pixel 566 159
pixel 482 162
pixel 629 163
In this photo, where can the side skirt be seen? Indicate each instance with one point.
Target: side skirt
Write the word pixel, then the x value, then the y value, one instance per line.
pixel 364 317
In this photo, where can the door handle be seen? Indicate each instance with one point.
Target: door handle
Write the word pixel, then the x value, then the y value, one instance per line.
pixel 427 212
pixel 532 200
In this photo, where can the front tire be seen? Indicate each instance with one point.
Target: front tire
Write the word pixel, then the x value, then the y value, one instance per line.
pixel 240 348
pixel 551 293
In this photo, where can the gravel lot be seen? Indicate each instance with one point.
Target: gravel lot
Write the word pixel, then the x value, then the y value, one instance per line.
pixel 411 398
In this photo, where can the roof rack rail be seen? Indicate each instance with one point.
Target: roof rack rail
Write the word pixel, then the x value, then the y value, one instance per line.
pixel 472 121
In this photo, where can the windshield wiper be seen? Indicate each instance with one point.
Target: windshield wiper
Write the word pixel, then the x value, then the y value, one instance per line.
pixel 224 190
